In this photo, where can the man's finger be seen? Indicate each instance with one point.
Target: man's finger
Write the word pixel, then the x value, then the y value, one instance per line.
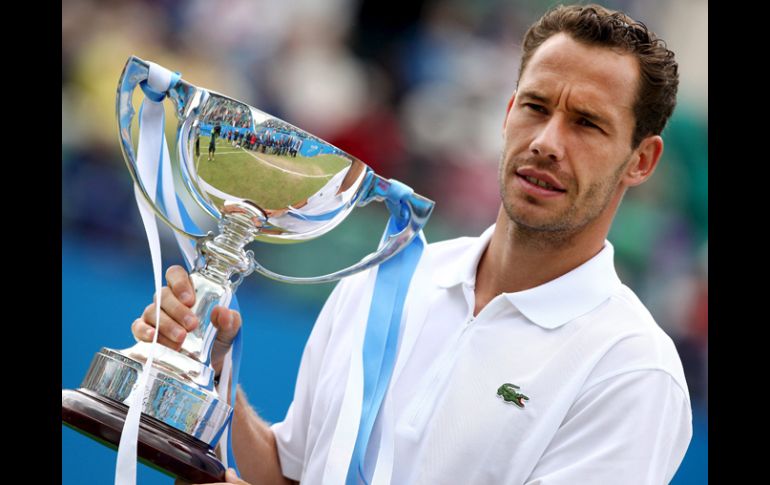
pixel 178 310
pixel 173 331
pixel 172 307
pixel 179 282
pixel 144 332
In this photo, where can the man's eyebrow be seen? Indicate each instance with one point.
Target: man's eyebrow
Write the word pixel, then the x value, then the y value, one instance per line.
pixel 589 115
pixel 534 95
pixel 593 117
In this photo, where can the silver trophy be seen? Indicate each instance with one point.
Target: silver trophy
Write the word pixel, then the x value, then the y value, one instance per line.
pixel 276 184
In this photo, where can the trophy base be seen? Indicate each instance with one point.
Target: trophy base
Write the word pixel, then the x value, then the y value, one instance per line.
pixel 159 445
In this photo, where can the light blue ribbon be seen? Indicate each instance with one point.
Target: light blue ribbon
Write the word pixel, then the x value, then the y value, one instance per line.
pixel 383 326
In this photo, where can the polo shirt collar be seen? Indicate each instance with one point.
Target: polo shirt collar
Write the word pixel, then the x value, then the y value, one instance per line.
pixel 551 304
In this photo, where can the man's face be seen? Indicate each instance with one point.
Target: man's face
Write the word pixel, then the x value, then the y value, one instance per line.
pixel 569 124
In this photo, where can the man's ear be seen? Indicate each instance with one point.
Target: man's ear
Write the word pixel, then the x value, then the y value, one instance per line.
pixel 644 161
pixel 508 109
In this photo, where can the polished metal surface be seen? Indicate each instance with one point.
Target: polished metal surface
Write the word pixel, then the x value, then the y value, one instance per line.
pixel 176 402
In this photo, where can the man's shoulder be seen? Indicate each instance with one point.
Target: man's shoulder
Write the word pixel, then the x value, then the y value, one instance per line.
pixel 633 338
pixel 629 315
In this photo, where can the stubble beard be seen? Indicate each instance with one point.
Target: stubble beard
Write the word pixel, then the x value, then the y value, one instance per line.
pixel 559 230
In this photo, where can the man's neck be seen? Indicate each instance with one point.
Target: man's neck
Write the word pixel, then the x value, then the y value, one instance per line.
pixel 518 259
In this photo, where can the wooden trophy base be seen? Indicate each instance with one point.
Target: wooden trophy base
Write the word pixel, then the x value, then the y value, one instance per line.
pixel 160 446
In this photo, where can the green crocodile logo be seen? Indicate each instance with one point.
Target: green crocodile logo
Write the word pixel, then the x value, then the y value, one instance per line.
pixel 509 393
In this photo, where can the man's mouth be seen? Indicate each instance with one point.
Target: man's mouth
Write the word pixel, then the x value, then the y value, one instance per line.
pixel 541 183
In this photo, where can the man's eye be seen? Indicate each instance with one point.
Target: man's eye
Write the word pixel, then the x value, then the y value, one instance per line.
pixel 535 107
pixel 587 123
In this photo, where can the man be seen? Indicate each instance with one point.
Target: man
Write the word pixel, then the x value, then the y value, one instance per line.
pixel 523 357
pixel 213 142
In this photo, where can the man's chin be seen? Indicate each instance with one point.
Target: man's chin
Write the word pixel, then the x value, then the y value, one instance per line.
pixel 525 219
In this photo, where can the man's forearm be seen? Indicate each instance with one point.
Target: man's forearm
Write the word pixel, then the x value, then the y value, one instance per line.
pixel 254 446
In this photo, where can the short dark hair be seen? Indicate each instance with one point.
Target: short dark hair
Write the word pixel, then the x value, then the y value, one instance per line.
pixel 596 25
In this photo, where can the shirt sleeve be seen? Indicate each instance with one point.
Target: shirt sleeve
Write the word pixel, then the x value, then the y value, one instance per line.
pixel 631 428
pixel 291 433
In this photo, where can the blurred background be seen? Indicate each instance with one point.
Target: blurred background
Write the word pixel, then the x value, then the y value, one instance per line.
pixel 419 93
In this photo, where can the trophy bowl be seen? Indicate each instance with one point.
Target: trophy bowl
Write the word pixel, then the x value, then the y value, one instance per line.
pixel 260 179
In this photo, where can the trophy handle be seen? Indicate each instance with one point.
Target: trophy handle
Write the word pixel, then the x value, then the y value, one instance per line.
pixel 135 72
pixel 419 209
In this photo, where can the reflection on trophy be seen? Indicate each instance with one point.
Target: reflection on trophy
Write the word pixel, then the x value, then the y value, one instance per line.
pixel 259 178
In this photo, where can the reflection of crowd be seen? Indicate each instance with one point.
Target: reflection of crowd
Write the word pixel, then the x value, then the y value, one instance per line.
pixel 276 143
pixel 266 140
pixel 274 136
pixel 227 112
pixel 283 127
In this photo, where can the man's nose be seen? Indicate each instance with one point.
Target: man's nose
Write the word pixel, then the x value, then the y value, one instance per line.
pixel 549 141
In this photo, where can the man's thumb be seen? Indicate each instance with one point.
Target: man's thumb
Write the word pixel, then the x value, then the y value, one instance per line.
pixel 228 323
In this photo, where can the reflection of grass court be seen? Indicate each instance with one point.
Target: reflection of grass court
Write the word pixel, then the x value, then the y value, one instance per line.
pixel 272 181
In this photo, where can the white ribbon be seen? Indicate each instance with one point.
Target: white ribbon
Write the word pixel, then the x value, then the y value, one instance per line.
pixel 346 430
pixel 151 149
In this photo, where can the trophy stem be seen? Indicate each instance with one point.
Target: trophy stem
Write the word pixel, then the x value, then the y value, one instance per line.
pixel 222 257
pixel 225 255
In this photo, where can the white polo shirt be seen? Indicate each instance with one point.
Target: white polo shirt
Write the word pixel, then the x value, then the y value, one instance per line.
pixel 608 402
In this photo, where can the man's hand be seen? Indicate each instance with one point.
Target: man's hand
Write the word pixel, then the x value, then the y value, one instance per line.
pixel 177 318
pixel 230 476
